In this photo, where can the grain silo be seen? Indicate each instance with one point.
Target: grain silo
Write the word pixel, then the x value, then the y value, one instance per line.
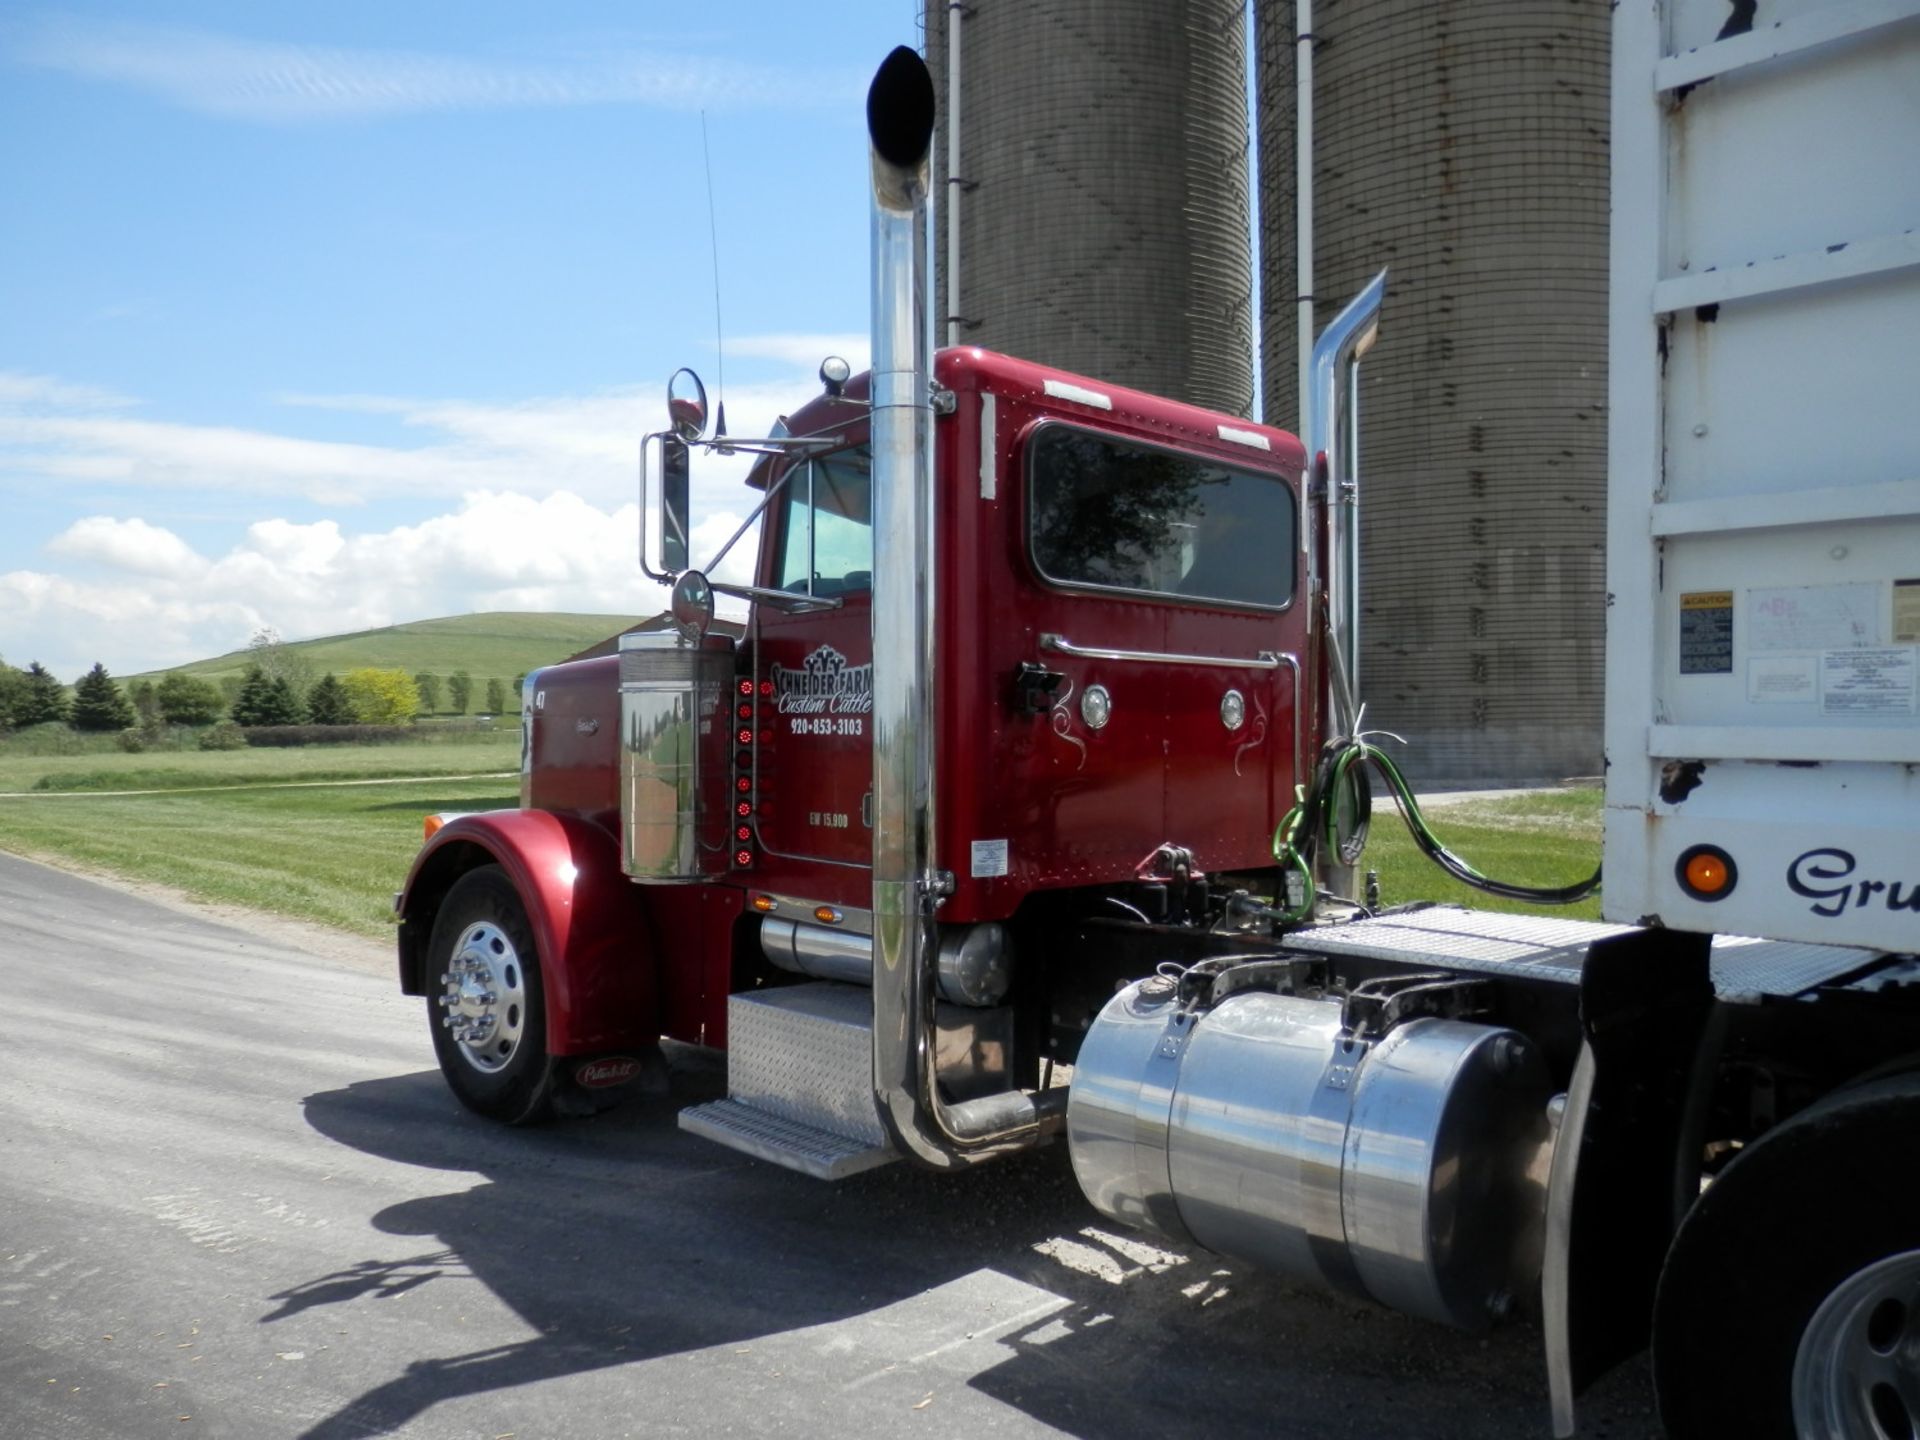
pixel 1104 197
pixel 1464 144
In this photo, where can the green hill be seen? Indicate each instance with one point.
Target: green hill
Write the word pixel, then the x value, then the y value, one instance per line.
pixel 499 645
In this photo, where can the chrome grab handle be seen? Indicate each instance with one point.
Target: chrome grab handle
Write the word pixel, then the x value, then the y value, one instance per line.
pixel 1265 660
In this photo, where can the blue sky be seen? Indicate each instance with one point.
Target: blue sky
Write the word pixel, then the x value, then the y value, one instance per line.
pixel 331 316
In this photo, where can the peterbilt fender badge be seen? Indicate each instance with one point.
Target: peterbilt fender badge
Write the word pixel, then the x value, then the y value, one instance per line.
pixel 586 725
pixel 601 1074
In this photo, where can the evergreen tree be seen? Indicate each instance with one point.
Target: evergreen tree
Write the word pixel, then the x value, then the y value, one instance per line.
pixel 42 698
pixel 189 700
pixel 145 703
pixel 328 703
pixel 283 706
pixel 496 696
pixel 12 685
pixel 428 684
pixel 98 703
pixel 460 690
pixel 251 704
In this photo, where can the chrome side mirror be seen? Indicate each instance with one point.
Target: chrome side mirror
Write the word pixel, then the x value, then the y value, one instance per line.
pixel 676 501
pixel 687 406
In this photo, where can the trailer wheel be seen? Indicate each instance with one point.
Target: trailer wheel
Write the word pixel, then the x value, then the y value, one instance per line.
pixel 487 1008
pixel 1789 1308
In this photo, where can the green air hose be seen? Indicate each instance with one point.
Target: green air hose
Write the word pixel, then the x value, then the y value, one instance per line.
pixel 1315 820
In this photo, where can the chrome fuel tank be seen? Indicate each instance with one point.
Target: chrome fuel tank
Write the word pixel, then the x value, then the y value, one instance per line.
pixel 1408 1169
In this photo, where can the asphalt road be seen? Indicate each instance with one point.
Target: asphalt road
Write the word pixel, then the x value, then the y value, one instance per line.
pixel 236 1200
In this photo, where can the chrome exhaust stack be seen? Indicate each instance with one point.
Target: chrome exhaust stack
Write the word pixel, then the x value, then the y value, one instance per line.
pixel 906 885
pixel 1333 444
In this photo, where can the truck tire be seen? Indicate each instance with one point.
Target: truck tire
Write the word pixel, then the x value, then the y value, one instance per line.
pixel 1789 1307
pixel 486 1004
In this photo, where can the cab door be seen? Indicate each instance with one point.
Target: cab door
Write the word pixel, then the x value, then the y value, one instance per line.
pixel 813 670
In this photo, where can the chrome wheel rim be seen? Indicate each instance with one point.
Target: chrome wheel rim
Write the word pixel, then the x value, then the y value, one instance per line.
pixel 1857 1373
pixel 484 997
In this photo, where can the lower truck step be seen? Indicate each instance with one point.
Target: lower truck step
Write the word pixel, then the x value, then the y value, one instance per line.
pixel 799 1082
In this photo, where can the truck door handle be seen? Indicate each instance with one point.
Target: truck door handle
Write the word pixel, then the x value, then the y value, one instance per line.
pixel 1265 660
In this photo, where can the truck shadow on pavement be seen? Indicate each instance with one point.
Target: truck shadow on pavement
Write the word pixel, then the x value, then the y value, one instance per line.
pixel 620 1240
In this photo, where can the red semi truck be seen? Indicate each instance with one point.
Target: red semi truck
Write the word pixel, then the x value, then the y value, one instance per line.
pixel 1028 807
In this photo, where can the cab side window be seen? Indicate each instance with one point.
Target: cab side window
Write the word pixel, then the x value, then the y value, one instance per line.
pixel 1111 514
pixel 826 526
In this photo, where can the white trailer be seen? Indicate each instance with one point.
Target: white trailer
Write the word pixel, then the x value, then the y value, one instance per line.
pixel 1763 545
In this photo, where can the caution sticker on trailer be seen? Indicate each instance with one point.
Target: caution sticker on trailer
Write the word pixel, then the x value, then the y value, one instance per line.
pixel 1706 632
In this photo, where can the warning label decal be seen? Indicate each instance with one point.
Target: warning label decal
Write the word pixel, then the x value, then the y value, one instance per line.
pixel 1906 612
pixel 1866 682
pixel 1706 632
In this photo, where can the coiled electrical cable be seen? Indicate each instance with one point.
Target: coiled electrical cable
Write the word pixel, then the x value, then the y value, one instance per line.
pixel 1315 820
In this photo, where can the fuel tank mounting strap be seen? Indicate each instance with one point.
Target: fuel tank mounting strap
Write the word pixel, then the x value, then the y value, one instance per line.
pixel 1265 660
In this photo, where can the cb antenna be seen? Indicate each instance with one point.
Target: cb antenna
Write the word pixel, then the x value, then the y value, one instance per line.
pixel 719 347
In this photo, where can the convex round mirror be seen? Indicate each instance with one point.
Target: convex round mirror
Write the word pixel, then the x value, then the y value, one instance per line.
pixel 692 603
pixel 687 405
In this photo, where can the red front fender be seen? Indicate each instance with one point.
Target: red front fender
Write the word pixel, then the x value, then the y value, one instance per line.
pixel 588 919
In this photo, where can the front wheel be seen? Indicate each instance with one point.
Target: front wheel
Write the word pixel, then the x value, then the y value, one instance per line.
pixel 1789 1308
pixel 488 1011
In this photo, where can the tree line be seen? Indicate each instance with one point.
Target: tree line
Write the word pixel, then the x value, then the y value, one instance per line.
pixel 265 695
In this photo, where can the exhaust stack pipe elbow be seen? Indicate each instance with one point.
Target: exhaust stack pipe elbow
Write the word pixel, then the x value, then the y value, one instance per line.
pixel 906 885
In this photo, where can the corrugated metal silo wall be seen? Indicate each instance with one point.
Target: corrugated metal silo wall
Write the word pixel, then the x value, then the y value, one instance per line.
pixel 1107 226
pixel 1464 144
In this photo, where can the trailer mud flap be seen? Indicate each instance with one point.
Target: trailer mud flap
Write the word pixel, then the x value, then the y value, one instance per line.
pixel 1644 999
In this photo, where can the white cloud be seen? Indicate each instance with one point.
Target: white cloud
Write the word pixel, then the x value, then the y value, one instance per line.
pixel 269 81
pixel 588 444
pixel 130 545
pixel 542 515
pixel 804 351
pixel 24 392
pixel 147 600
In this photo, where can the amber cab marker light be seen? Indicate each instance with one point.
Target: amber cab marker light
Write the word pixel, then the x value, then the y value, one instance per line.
pixel 1706 872
pixel 765 904
pixel 431 826
pixel 827 915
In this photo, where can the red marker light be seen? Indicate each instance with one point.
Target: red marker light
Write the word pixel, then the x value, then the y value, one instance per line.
pixel 745 712
pixel 743 833
pixel 745 737
pixel 743 784
pixel 743 809
pixel 766 687
pixel 746 687
pixel 743 857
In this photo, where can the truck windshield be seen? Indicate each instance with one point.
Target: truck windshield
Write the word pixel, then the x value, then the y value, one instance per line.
pixel 1114 515
pixel 826 526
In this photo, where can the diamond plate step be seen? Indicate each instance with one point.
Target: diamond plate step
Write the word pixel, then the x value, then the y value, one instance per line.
pixel 806 1148
pixel 799 1081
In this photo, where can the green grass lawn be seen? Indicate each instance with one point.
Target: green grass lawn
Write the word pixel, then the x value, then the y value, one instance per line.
pixel 332 854
pixel 335 853
pixel 1547 839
